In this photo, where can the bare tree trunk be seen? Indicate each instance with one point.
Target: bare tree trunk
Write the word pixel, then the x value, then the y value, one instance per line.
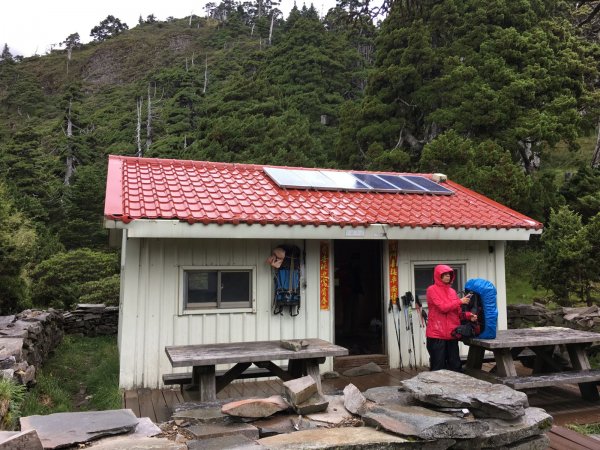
pixel 149 122
pixel 530 159
pixel 69 51
pixel 596 156
pixel 70 169
pixel 191 14
pixel 252 31
pixel 271 29
pixel 205 74
pixel 138 129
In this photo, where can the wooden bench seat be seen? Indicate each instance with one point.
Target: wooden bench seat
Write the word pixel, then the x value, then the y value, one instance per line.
pixel 186 377
pixel 552 379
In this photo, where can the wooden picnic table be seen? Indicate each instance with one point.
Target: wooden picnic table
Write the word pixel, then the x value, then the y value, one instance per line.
pixel 204 358
pixel 542 341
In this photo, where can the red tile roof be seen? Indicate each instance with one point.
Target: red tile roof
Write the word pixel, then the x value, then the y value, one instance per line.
pixel 210 192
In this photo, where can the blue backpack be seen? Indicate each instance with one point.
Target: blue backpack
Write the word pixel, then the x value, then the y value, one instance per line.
pixel 287 282
pixel 487 308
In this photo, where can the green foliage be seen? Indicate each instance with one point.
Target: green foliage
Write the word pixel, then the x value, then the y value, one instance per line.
pixel 568 264
pixel 18 241
pixel 105 290
pixel 11 395
pixel 65 384
pixel 58 281
pixel 109 27
pixel 582 192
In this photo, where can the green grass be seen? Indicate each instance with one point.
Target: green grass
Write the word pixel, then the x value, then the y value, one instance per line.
pixel 519 265
pixel 591 428
pixel 11 398
pixel 82 375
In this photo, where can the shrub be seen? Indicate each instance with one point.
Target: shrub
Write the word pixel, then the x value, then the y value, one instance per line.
pixel 62 279
pixel 11 398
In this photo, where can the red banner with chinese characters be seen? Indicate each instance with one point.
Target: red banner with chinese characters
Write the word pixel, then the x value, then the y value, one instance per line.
pixel 324 275
pixel 393 275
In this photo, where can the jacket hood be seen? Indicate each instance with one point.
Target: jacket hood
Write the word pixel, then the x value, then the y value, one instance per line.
pixel 441 269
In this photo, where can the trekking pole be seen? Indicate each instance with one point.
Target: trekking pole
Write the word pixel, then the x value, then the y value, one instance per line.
pixel 406 300
pixel 397 328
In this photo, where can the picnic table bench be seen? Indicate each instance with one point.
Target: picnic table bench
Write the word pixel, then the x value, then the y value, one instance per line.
pixel 509 344
pixel 204 358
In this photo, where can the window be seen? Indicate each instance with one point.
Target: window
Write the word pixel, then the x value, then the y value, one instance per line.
pixel 217 288
pixel 424 278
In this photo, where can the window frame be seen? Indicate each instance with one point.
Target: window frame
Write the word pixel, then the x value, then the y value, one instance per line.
pixel 461 277
pixel 219 307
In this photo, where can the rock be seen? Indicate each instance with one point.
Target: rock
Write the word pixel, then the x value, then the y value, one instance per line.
pixel 11 347
pixel 22 440
pixel 315 404
pixel 354 401
pixel 146 428
pixel 294 345
pixel 330 375
pixel 455 390
pixel 504 432
pixel 282 424
pixel 300 390
pixel 82 426
pixel 256 407
pixel 423 423
pixel 27 376
pixel 204 412
pixel 335 413
pixel 334 438
pixel 391 394
pixel 7 362
pixel 213 430
pixel 365 369
pixel 534 443
pixel 137 443
pixel 225 443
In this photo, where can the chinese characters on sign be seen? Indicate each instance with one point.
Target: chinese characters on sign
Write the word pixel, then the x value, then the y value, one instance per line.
pixel 393 251
pixel 324 276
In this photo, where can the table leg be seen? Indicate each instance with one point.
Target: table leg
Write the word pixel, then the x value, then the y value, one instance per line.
pixel 205 377
pixel 580 361
pixel 312 369
pixel 505 364
pixel 475 357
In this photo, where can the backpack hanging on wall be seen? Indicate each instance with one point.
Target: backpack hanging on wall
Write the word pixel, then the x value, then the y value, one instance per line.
pixel 286 262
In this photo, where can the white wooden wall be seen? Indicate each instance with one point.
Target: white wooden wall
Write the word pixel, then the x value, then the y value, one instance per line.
pixel 150 303
pixel 480 263
pixel 150 298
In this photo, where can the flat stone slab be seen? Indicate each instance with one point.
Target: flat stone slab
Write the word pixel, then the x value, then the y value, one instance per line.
pixel 64 429
pixel 138 443
pixel 335 413
pixel 283 424
pixel 225 443
pixel 535 422
pixel 534 443
pixel 391 394
pixel 423 423
pixel 256 407
pixel 204 412
pixel 214 430
pixel 317 403
pixel 334 438
pixel 365 369
pixel 455 390
pixel 21 440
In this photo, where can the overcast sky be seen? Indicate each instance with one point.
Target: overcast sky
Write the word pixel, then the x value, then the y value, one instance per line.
pixel 31 26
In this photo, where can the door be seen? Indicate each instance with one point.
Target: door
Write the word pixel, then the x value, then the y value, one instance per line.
pixel 358 296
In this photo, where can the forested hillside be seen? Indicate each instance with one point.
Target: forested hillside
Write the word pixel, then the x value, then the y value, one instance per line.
pixel 501 96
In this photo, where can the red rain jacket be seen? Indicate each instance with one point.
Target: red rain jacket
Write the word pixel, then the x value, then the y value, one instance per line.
pixel 444 306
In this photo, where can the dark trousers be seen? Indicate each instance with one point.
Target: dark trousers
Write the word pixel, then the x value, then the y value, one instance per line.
pixel 443 354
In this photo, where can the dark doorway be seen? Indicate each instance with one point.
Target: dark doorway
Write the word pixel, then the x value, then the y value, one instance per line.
pixel 358 296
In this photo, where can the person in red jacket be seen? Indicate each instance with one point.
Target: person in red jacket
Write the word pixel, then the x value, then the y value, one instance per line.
pixel 444 316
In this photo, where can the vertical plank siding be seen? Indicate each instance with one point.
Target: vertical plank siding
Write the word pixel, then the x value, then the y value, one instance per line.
pixel 151 303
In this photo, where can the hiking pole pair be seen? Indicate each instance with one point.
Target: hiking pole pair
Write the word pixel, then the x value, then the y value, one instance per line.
pixel 407 299
pixel 396 320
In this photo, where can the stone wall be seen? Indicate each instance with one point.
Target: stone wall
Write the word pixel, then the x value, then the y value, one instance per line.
pixel 28 338
pixel 537 315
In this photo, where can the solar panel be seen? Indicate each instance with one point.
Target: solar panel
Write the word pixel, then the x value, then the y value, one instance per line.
pixel 346 181
pixel 403 184
pixel 375 183
pixel 430 186
pixel 354 181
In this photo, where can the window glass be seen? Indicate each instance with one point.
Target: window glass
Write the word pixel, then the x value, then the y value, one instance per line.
pixel 235 286
pixel 424 278
pixel 218 288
